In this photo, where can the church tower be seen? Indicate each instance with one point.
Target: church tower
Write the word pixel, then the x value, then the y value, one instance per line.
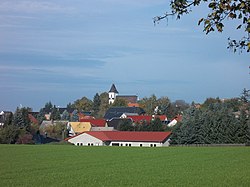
pixel 112 94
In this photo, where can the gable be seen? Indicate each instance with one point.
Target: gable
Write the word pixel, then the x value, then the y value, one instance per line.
pixel 79 127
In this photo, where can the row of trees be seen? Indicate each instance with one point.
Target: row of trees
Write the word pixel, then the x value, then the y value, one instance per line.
pixel 100 104
pixel 216 122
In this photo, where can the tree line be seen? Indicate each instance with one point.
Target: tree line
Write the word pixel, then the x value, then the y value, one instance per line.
pixel 215 122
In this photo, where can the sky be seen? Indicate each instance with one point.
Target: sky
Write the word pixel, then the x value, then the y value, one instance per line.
pixel 62 50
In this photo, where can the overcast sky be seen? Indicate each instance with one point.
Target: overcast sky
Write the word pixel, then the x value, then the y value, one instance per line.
pixel 62 50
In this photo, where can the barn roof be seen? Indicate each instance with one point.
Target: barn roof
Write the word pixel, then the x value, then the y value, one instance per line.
pixel 130 136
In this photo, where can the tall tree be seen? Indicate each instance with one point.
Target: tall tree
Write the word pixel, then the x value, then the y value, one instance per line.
pixel 65 115
pixel 149 104
pixel 219 12
pixel 41 116
pixel 48 107
pixel 55 114
pixel 83 104
pixel 75 116
pixel 96 103
pixel 21 118
pixel 104 97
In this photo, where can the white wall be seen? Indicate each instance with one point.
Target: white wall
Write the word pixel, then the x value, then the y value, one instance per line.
pixel 137 144
pixel 112 97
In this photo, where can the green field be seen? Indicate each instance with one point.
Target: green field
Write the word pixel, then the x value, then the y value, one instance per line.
pixel 63 165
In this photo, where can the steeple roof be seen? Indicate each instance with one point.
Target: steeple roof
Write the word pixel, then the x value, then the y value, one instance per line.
pixel 113 89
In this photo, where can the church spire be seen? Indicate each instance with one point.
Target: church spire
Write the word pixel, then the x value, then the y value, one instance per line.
pixel 113 89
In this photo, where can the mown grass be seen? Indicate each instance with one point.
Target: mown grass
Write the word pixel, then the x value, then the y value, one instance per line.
pixel 63 165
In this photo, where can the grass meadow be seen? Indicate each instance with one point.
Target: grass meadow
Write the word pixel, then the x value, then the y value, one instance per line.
pixel 64 165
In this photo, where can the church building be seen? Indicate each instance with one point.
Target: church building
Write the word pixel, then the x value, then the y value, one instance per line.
pixel 114 94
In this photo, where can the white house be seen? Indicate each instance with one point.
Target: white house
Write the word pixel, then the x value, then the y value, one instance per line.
pixel 121 138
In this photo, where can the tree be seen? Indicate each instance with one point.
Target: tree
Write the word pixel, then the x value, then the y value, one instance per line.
pixel 210 101
pixel 104 105
pixel 41 116
pixel 75 116
pixel 177 107
pixel 65 115
pixel 245 96
pixel 96 104
pixel 149 104
pixel 9 134
pixel 163 104
pixel 48 107
pixel 120 102
pixel 55 114
pixel 156 125
pixel 21 118
pixel 220 10
pixel 8 119
pixel 83 104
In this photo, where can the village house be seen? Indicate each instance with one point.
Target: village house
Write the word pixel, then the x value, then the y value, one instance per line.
pixel 121 138
pixel 3 116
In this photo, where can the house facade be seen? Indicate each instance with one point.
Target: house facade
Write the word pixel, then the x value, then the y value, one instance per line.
pixel 121 138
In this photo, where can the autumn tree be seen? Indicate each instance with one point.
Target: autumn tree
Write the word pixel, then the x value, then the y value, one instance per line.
pixel 219 12
pixel 104 105
pixel 83 104
pixel 120 102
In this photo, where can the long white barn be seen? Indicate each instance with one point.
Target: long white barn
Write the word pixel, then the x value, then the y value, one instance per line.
pixel 121 138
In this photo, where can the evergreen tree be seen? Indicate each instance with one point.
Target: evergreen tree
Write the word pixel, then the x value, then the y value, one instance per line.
pixel 65 115
pixel 21 118
pixel 75 116
pixel 9 134
pixel 96 102
pixel 48 107
pixel 156 125
pixel 41 116
pixel 55 114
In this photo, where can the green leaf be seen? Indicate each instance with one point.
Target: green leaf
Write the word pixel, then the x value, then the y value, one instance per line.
pixel 212 5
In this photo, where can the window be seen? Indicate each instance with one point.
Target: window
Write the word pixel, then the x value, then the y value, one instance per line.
pixel 151 145
pixel 77 144
pixel 126 144
pixel 81 144
pixel 129 145
pixel 140 145
pixel 115 144
pixel 92 144
pixel 88 144
pixel 121 144
pixel 154 145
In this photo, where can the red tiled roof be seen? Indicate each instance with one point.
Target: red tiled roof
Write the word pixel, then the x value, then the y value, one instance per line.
pixel 137 119
pixel 33 119
pixel 161 117
pixel 133 136
pixel 95 122
pixel 133 105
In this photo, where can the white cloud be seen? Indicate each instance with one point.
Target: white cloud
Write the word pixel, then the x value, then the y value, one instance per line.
pixel 32 6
